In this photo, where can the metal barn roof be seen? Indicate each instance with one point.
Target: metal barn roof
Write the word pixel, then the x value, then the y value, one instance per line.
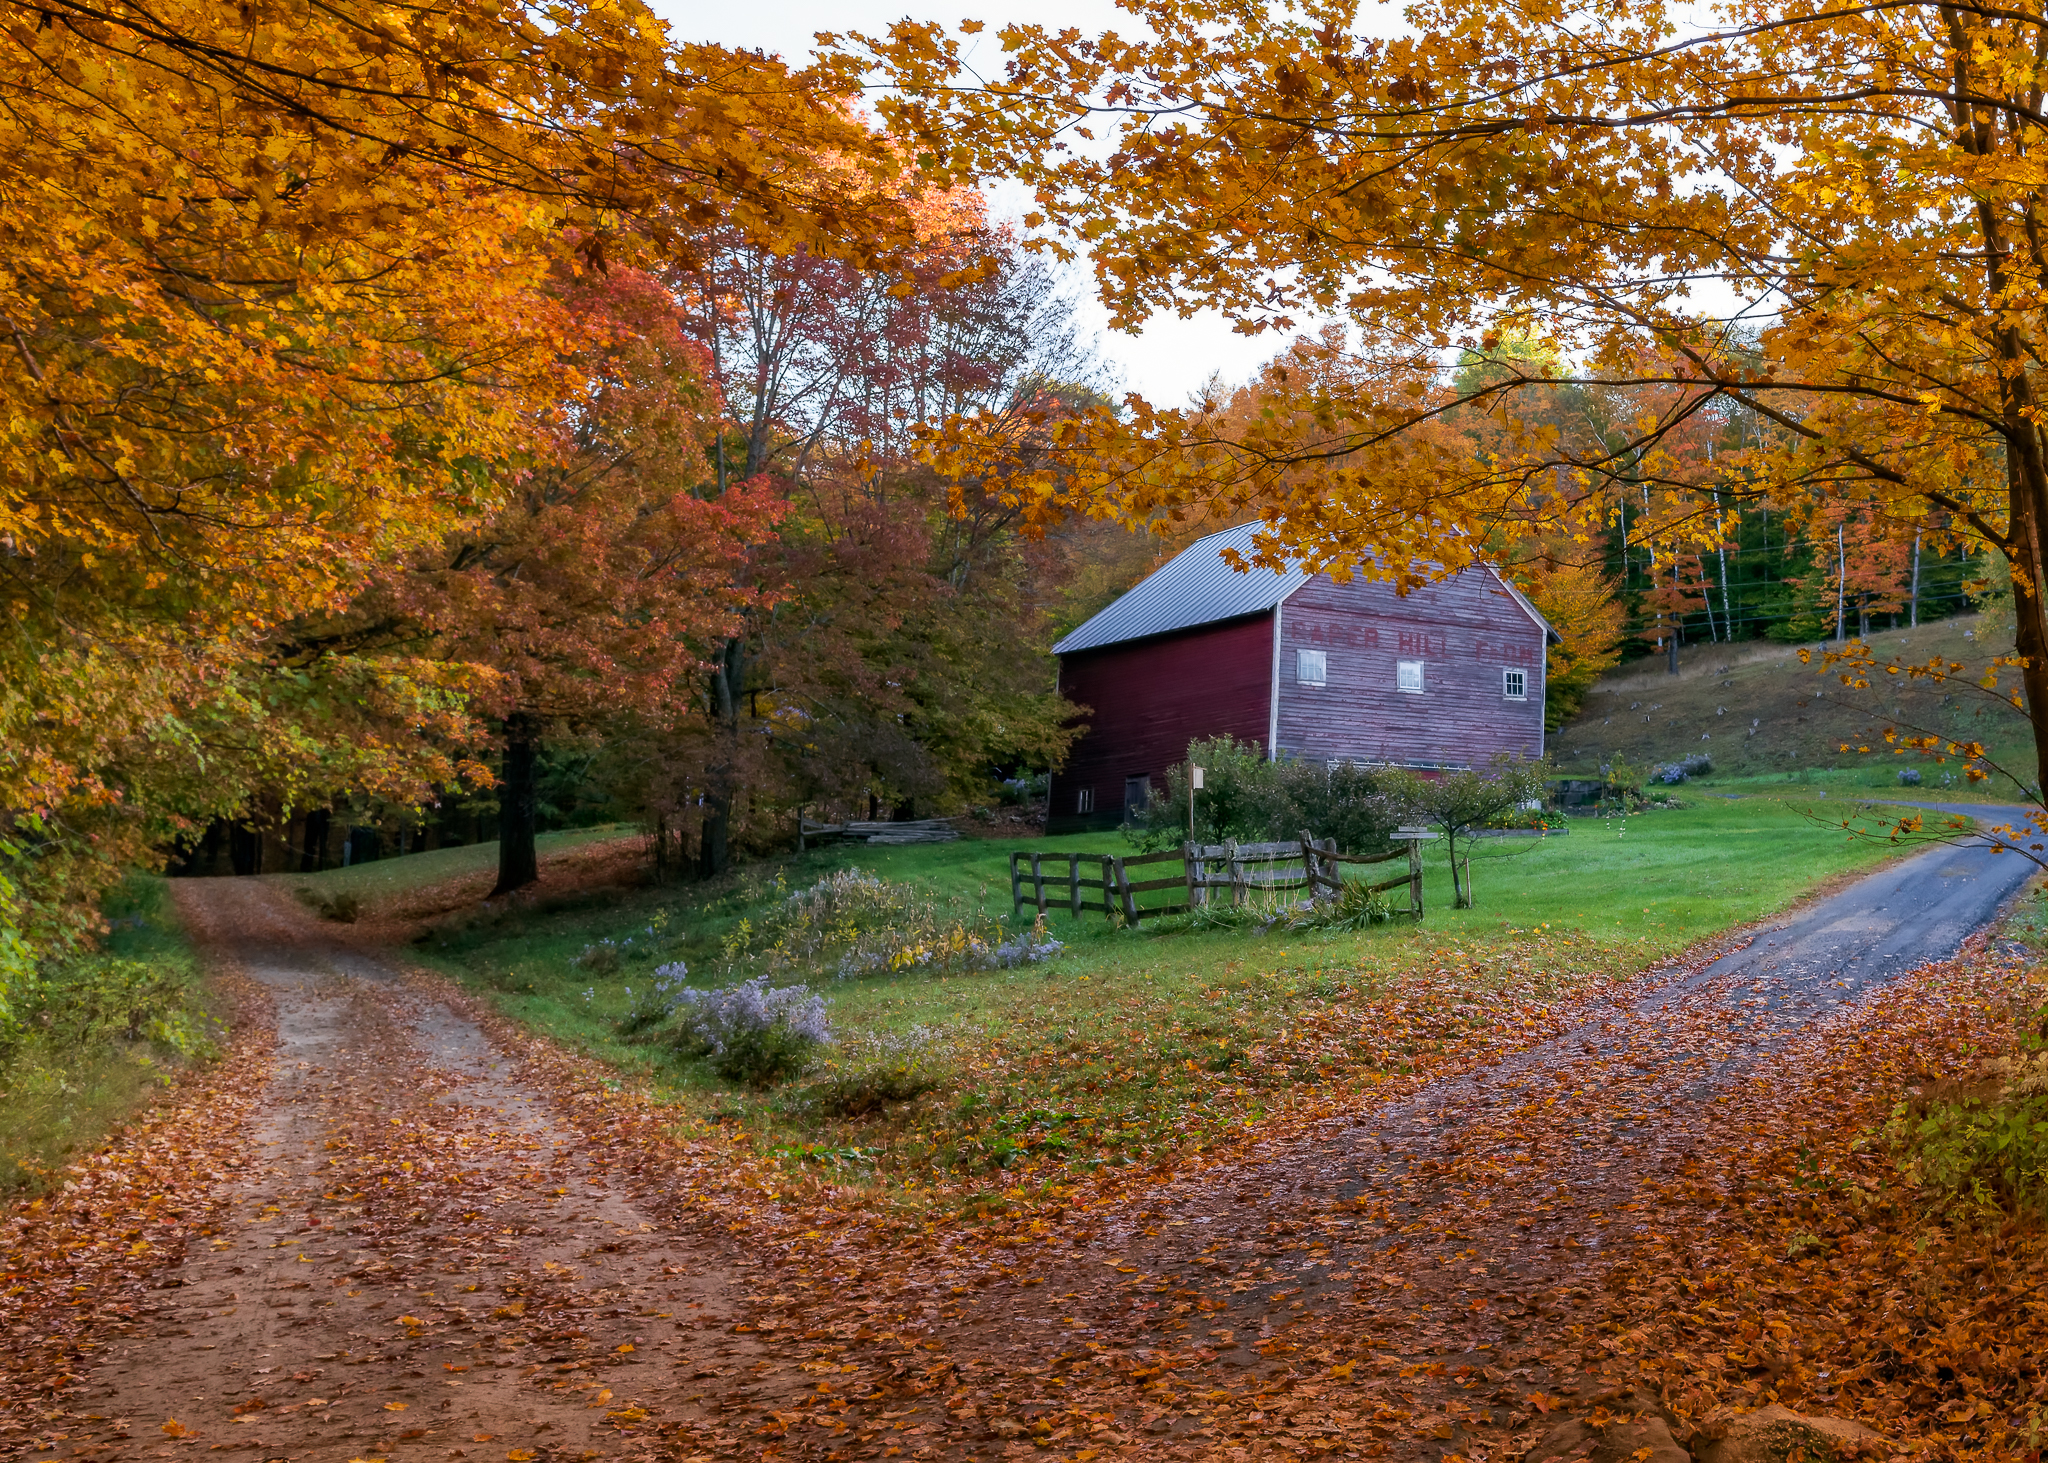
pixel 1195 587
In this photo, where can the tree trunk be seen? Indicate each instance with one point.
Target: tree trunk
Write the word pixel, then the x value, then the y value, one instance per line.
pixel 1460 897
pixel 728 686
pixel 313 845
pixel 714 852
pixel 518 804
pixel 2028 495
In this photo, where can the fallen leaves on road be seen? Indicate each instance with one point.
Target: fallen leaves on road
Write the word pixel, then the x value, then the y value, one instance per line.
pixel 75 1263
pixel 1514 1228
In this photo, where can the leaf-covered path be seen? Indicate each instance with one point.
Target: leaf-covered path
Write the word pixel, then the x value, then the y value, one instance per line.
pixel 435 1240
pixel 416 1252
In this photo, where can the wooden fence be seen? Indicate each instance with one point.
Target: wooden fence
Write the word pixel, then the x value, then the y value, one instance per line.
pixel 1101 883
pixel 923 830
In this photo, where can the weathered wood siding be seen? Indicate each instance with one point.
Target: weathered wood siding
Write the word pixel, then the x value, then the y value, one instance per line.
pixel 1466 632
pixel 1148 700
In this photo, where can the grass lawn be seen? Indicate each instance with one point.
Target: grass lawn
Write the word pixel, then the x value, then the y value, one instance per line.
pixel 1135 1044
pixel 379 880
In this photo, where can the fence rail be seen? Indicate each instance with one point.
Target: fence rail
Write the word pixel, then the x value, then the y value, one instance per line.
pixel 1049 881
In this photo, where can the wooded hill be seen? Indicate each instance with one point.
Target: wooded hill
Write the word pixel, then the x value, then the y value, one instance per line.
pixel 1756 709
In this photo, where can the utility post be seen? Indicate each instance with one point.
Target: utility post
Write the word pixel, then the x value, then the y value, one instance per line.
pixel 1194 786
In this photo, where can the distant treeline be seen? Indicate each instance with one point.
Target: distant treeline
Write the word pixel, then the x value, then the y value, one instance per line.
pixel 1770 581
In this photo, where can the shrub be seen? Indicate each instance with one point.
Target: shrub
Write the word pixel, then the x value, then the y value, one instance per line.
pixel 753 1032
pixel 1909 776
pixel 656 1002
pixel 343 908
pixel 1982 1141
pixel 599 958
pixel 1248 798
pixel 1020 791
pixel 1353 909
pixel 876 1072
pixel 102 998
pixel 877 927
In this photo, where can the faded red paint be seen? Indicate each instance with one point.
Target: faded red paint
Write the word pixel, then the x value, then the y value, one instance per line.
pixel 1466 632
pixel 1148 700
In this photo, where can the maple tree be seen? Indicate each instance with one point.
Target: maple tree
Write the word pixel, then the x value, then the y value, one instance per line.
pixel 893 654
pixel 1863 185
pixel 280 308
pixel 609 572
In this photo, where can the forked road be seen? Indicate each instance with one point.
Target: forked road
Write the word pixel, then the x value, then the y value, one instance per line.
pixel 424 1259
pixel 1468 1225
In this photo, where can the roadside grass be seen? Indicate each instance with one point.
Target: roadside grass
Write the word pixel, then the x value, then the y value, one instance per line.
pixel 100 1035
pixel 1135 1045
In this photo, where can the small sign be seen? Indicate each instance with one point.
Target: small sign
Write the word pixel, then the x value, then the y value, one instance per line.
pixel 1197 784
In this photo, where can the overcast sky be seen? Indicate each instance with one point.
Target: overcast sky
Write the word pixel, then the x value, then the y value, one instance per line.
pixel 1171 359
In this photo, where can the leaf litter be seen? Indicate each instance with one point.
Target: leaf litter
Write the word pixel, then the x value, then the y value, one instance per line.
pixel 1560 1212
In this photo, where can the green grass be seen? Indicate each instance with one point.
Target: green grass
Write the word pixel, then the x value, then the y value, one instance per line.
pixel 382 880
pixel 1139 1043
pixel 89 1054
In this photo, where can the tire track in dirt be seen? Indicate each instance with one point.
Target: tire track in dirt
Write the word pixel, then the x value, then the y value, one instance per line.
pixel 420 1257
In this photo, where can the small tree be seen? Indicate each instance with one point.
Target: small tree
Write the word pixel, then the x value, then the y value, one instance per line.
pixel 1465 800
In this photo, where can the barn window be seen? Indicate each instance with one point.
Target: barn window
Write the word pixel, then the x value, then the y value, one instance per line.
pixel 1409 676
pixel 1514 685
pixel 1312 667
pixel 1084 800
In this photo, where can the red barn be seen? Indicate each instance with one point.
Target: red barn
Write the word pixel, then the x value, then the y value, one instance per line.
pixel 1449 675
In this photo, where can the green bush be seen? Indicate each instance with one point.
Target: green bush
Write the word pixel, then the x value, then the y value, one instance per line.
pixel 1252 800
pixel 878 1072
pixel 104 998
pixel 1353 909
pixel 1982 1141
pixel 93 1034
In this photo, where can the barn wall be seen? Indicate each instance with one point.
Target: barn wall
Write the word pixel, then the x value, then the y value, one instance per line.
pixel 1150 698
pixel 1466 631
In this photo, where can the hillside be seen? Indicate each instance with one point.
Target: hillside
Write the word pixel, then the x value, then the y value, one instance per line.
pixel 1759 712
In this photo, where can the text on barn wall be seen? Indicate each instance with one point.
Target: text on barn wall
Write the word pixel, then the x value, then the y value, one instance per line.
pixel 1433 644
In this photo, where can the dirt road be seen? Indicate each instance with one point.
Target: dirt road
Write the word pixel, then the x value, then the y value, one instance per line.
pixel 421 1258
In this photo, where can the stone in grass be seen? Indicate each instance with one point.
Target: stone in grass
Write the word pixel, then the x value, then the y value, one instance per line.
pixel 1777 1434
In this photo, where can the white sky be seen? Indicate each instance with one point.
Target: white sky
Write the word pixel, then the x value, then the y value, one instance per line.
pixel 1171 358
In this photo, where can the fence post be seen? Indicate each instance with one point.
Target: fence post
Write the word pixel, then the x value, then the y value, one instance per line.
pixel 1191 870
pixel 1074 885
pixel 1125 898
pixel 1016 885
pixel 1311 865
pixel 1234 871
pixel 1108 884
pixel 1038 882
pixel 1415 879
